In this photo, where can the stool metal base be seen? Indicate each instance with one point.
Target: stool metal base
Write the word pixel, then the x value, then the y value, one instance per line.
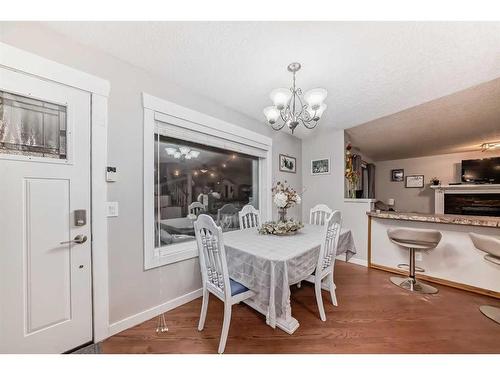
pixel 413 285
pixel 491 312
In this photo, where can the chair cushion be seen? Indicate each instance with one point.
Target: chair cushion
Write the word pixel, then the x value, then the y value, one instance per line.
pixel 236 287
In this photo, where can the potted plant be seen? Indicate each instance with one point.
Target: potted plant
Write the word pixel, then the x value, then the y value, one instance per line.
pixel 434 181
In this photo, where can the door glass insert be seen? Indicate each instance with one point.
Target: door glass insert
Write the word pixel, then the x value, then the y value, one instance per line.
pixel 32 127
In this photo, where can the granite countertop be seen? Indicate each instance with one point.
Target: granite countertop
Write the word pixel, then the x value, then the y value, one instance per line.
pixel 481 221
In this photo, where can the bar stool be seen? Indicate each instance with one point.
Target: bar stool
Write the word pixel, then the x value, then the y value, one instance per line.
pixel 490 245
pixel 414 239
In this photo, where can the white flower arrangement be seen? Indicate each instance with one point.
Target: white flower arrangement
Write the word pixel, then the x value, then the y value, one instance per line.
pixel 285 196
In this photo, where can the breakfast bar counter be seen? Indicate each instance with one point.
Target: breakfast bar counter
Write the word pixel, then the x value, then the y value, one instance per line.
pixel 479 221
pixel 454 262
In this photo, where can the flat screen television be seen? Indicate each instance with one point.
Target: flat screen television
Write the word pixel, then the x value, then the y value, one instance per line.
pixel 481 171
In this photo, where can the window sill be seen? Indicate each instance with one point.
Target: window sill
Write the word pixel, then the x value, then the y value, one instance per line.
pixel 359 200
pixel 164 256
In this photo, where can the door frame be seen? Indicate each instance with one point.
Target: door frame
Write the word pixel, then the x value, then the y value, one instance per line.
pixel 18 60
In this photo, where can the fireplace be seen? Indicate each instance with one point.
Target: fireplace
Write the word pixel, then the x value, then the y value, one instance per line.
pixel 478 204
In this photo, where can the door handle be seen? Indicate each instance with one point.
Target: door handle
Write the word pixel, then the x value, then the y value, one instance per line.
pixel 78 239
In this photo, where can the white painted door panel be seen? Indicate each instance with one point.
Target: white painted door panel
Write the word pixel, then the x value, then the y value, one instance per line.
pixel 45 286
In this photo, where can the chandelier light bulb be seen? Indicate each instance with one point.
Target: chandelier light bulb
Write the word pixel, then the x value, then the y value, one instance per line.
pixel 315 97
pixel 188 156
pixel 170 150
pixel 184 150
pixel 194 154
pixel 272 114
pixel 177 155
pixel 280 97
pixel 316 114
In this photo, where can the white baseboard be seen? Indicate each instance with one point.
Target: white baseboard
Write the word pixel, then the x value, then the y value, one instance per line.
pixel 141 317
pixel 360 262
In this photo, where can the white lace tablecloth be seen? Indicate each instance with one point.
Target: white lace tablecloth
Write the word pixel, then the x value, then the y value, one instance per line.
pixel 268 264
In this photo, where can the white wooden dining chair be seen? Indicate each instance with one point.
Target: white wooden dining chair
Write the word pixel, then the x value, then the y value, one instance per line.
pixel 326 260
pixel 319 214
pixel 196 208
pixel 227 216
pixel 249 217
pixel 215 275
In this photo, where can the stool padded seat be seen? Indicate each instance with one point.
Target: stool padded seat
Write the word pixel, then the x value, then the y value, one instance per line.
pixel 236 287
pixel 414 238
pixel 488 244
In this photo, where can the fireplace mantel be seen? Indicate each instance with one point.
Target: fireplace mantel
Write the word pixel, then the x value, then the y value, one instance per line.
pixel 441 190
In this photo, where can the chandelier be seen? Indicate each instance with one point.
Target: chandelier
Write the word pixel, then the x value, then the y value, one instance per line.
pixel 182 152
pixel 294 108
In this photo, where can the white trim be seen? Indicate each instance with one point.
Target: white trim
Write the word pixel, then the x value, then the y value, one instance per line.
pixel 27 62
pixel 99 220
pixel 202 122
pixel 141 317
pixel 360 262
pixel 359 200
pixel 22 61
pixel 185 123
pixel 441 190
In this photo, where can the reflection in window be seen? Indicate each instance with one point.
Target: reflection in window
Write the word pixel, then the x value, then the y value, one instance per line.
pixel 191 179
pixel 32 127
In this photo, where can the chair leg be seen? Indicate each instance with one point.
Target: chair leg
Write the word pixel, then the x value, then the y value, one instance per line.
pixel 319 299
pixel 225 327
pixel 204 308
pixel 332 289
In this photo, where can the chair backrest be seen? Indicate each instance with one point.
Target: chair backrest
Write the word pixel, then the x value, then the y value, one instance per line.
pixel 227 216
pixel 331 235
pixel 212 255
pixel 249 217
pixel 319 214
pixel 196 208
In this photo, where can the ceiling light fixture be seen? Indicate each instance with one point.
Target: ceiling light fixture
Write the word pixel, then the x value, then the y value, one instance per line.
pixel 290 107
pixel 182 152
pixel 490 145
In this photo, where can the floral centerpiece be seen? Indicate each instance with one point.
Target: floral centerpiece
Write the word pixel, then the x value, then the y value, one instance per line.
pixel 285 197
pixel 351 175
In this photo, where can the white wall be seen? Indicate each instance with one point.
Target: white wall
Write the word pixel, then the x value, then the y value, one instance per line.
pixel 446 167
pixel 133 290
pixel 329 189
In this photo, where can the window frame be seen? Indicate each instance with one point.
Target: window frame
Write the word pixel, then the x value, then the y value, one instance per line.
pixel 179 122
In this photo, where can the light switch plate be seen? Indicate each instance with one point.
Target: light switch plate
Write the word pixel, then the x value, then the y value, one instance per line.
pixel 111 209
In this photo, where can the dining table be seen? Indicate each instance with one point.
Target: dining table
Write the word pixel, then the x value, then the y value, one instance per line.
pixel 268 264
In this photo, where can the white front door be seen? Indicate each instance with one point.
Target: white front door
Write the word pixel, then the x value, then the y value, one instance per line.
pixel 45 276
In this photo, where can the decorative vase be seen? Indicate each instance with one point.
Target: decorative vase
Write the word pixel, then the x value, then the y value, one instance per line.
pixel 352 190
pixel 282 214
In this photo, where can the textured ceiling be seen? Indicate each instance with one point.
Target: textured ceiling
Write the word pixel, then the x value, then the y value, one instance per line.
pixel 370 69
pixel 455 123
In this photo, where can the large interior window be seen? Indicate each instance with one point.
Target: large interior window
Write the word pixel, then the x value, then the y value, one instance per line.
pixel 192 179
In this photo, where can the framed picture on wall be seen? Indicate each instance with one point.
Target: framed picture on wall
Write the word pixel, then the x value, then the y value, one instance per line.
pixel 415 181
pixel 320 166
pixel 397 175
pixel 288 164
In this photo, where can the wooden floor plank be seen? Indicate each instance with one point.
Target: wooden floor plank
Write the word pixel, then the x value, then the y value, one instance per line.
pixel 373 316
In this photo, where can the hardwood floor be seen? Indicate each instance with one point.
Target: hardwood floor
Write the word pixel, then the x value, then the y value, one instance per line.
pixel 373 316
